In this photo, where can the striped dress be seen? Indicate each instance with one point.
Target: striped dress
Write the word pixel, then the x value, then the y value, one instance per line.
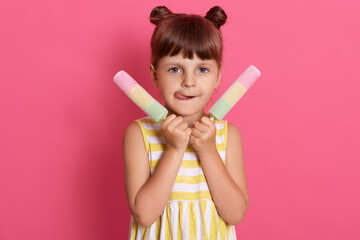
pixel 190 212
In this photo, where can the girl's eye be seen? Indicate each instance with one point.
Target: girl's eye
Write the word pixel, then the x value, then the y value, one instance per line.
pixel 175 70
pixel 203 70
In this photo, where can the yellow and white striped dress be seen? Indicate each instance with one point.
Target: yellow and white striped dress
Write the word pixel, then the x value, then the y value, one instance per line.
pixel 190 212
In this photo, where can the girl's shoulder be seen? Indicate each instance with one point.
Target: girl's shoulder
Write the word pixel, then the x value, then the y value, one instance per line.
pixel 232 127
pixel 233 133
pixel 140 125
pixel 138 131
pixel 234 152
pixel 227 126
pixel 132 132
pixel 133 139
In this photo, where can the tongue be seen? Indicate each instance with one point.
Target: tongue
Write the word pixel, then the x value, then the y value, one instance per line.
pixel 181 97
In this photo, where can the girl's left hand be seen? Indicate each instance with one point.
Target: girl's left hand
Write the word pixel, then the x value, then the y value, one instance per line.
pixel 203 136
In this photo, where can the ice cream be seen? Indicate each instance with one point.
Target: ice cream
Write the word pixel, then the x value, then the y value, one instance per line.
pixel 140 96
pixel 234 93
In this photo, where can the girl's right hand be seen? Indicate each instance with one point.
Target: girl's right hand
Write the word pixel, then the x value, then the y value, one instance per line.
pixel 176 133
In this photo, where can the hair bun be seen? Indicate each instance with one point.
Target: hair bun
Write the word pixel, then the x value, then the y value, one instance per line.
pixel 217 16
pixel 159 13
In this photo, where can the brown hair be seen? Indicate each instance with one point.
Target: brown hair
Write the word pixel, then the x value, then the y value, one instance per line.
pixel 187 34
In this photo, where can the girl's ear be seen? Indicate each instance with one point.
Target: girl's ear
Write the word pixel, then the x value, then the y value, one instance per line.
pixel 219 76
pixel 154 75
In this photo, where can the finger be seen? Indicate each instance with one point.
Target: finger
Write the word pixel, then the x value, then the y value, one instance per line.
pixel 196 133
pixel 168 119
pixel 175 122
pixel 201 127
pixel 193 124
pixel 207 121
pixel 188 132
pixel 183 125
pixel 192 139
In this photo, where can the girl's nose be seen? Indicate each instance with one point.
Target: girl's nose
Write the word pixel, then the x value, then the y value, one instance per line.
pixel 188 81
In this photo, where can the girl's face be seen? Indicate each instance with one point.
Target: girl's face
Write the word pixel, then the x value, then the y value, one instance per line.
pixel 186 84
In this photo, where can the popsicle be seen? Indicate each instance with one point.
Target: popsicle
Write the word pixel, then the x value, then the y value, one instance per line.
pixel 140 96
pixel 234 93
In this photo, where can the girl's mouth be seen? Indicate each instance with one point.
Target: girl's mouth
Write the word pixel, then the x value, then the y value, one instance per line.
pixel 180 96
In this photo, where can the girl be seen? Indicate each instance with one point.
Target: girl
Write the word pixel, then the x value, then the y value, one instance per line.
pixel 185 178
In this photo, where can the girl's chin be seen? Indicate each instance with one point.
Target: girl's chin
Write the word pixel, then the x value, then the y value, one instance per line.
pixel 186 113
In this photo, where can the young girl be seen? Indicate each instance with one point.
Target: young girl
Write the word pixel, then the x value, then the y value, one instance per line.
pixel 185 178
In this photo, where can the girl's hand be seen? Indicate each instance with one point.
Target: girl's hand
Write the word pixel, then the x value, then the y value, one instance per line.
pixel 176 133
pixel 203 136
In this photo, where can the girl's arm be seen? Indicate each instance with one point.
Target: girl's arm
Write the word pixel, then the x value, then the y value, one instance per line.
pixel 147 195
pixel 227 183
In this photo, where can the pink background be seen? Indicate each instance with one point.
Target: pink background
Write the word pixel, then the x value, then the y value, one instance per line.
pixel 62 117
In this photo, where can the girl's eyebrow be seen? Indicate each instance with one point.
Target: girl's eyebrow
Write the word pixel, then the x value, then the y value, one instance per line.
pixel 173 64
pixel 197 64
pixel 206 64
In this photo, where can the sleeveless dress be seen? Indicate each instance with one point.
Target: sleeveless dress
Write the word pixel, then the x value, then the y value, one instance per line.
pixel 190 212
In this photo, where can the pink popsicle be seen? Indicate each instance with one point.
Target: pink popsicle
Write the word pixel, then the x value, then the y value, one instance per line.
pixel 234 93
pixel 140 97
